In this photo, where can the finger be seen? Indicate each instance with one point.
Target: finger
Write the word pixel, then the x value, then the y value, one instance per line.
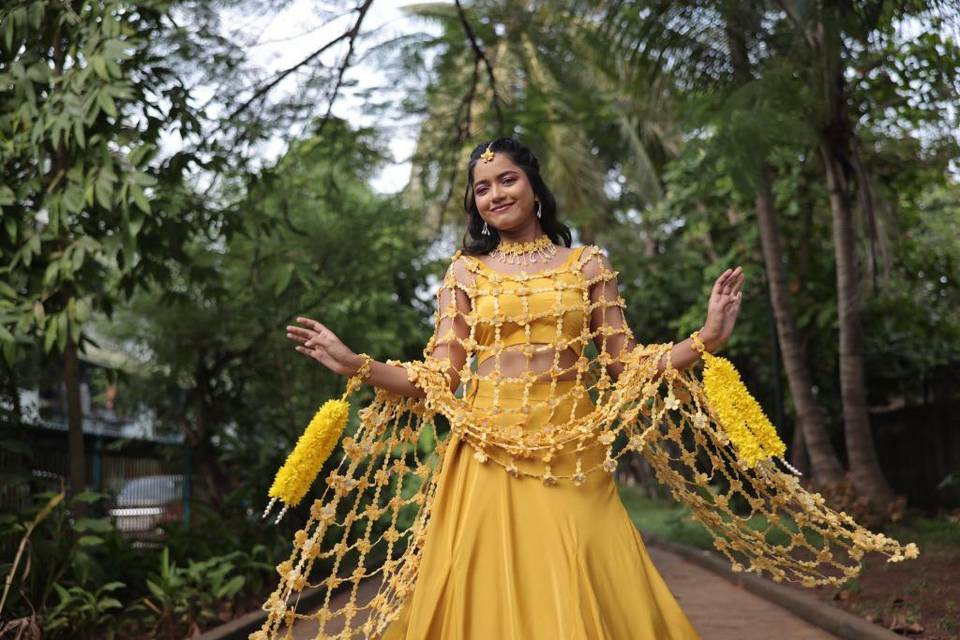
pixel 298 329
pixel 718 283
pixel 735 276
pixel 315 353
pixel 735 289
pixel 297 337
pixel 728 276
pixel 313 324
pixel 321 336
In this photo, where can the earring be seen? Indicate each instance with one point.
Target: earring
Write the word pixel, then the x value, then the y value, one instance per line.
pixel 538 208
pixel 486 229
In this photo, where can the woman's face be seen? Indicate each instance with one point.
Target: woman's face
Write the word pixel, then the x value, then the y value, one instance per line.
pixel 503 194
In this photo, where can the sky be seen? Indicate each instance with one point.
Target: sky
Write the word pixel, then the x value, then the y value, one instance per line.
pixel 286 37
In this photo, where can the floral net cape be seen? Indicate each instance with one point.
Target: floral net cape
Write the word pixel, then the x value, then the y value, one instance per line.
pixel 557 324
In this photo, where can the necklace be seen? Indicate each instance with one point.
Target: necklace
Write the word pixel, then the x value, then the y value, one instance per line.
pixel 539 250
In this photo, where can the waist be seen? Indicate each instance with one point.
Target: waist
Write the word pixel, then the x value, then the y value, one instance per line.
pixel 537 389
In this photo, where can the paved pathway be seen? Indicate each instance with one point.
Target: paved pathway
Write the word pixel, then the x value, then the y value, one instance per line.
pixel 719 609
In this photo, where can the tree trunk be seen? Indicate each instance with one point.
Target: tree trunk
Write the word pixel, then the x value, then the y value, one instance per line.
pixel 865 470
pixel 799 457
pixel 71 381
pixel 824 463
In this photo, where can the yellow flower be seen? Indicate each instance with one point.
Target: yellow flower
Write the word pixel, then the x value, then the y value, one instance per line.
pixel 738 412
pixel 311 451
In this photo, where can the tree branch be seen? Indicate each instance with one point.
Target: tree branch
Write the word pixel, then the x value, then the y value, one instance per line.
pixel 478 53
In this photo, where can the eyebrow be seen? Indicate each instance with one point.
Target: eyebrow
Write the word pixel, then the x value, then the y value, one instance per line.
pixel 503 173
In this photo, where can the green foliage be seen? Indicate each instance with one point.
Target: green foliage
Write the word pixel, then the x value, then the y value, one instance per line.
pixel 84 614
pixel 66 556
pixel 182 598
pixel 81 127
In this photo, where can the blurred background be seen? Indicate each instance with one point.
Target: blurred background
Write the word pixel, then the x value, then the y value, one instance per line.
pixel 180 179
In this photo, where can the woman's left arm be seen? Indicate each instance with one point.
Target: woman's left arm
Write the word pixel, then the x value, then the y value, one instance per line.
pixel 612 334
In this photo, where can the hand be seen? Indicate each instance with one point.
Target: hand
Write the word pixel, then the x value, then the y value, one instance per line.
pixel 321 344
pixel 722 309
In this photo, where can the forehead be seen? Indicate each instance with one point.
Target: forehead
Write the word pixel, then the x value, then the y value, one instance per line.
pixel 488 171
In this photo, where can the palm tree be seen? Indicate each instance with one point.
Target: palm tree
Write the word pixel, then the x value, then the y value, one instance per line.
pixel 688 41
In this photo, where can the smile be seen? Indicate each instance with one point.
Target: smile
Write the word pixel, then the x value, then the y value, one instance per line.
pixel 502 208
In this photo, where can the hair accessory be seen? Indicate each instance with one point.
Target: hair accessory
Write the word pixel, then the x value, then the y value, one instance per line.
pixel 487 155
pixel 314 446
pixel 524 252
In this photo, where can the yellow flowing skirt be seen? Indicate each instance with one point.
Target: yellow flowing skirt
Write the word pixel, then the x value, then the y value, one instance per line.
pixel 510 558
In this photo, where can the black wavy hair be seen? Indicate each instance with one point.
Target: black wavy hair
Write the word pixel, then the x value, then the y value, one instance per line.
pixel 474 241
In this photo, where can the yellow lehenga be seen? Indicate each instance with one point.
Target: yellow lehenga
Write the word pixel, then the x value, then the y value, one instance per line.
pixel 510 524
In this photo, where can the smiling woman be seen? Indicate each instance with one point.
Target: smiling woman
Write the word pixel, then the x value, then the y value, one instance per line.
pixel 510 524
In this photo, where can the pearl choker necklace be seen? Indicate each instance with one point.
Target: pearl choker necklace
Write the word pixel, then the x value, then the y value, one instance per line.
pixel 526 252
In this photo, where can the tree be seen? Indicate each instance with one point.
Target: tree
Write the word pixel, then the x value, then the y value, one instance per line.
pixel 87 209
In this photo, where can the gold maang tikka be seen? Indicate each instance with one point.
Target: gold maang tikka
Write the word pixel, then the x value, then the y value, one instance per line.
pixel 487 156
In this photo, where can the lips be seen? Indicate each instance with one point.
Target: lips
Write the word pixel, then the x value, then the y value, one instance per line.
pixel 501 208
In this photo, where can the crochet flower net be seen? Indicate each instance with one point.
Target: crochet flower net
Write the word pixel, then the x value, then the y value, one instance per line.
pixel 548 347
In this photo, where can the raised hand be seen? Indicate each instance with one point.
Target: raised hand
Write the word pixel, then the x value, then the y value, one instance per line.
pixel 722 309
pixel 321 344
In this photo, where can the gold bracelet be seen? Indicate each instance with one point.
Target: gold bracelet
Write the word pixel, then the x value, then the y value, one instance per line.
pixel 365 368
pixel 363 372
pixel 697 342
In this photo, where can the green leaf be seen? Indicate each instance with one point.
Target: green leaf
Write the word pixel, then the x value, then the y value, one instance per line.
pixel 231 587
pixel 98 525
pixel 39 73
pixel 140 198
pixel 7 196
pixel 73 198
pixel 50 274
pixel 89 541
pixel 136 222
pixel 104 191
pixel 88 496
pixel 283 280
pixel 100 66
pixel 106 103
pixel 156 590
pixel 79 133
pixel 62 331
pixel 50 336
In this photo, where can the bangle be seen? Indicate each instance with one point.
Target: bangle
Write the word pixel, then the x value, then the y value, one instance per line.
pixel 697 342
pixel 365 368
pixel 363 372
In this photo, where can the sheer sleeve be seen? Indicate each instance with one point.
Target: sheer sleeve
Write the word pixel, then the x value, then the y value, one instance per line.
pixel 444 354
pixel 608 322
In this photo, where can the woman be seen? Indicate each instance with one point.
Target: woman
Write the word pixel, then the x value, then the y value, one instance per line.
pixel 527 536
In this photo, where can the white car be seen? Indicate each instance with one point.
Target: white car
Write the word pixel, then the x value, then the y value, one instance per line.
pixel 145 502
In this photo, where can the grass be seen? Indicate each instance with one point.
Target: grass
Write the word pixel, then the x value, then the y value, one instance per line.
pixel 674 521
pixel 668 520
